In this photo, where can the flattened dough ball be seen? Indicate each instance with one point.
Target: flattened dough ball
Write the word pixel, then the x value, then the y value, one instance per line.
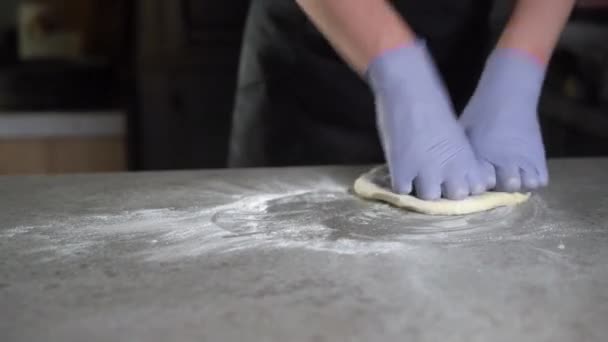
pixel 375 185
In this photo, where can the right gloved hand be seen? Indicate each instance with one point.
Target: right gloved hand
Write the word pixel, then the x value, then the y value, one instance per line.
pixel 501 121
pixel 425 147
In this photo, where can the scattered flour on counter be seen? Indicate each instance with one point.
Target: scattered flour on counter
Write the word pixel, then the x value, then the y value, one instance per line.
pixel 325 217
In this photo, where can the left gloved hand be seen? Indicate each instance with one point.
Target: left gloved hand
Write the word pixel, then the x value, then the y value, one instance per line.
pixel 501 122
pixel 425 146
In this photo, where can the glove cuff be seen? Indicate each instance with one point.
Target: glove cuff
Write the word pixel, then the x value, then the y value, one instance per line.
pixel 409 67
pixel 516 69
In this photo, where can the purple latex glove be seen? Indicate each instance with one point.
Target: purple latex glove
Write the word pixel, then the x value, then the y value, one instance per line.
pixel 425 147
pixel 501 122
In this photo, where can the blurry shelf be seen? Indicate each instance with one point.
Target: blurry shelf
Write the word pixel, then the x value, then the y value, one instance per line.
pixel 21 125
pixel 62 142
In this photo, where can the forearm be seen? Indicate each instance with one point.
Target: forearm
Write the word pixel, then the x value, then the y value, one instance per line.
pixel 535 26
pixel 360 30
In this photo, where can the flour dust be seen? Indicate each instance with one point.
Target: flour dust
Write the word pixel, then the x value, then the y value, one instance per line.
pixel 327 218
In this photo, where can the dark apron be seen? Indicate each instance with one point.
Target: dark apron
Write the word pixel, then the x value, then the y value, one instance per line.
pixel 298 103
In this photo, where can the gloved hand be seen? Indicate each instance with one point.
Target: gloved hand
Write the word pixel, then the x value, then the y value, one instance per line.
pixel 423 142
pixel 501 122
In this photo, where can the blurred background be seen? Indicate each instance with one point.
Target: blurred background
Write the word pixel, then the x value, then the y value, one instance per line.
pixel 116 85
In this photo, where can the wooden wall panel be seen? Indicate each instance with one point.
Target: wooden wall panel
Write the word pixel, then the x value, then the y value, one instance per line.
pixel 86 155
pixel 23 157
pixel 62 155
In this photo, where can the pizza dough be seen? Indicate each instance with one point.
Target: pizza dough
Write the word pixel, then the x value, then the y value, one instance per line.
pixel 375 185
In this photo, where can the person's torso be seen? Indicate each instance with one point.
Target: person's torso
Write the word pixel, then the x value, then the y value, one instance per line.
pixel 296 93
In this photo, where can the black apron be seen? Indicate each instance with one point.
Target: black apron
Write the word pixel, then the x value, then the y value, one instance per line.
pixel 298 103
